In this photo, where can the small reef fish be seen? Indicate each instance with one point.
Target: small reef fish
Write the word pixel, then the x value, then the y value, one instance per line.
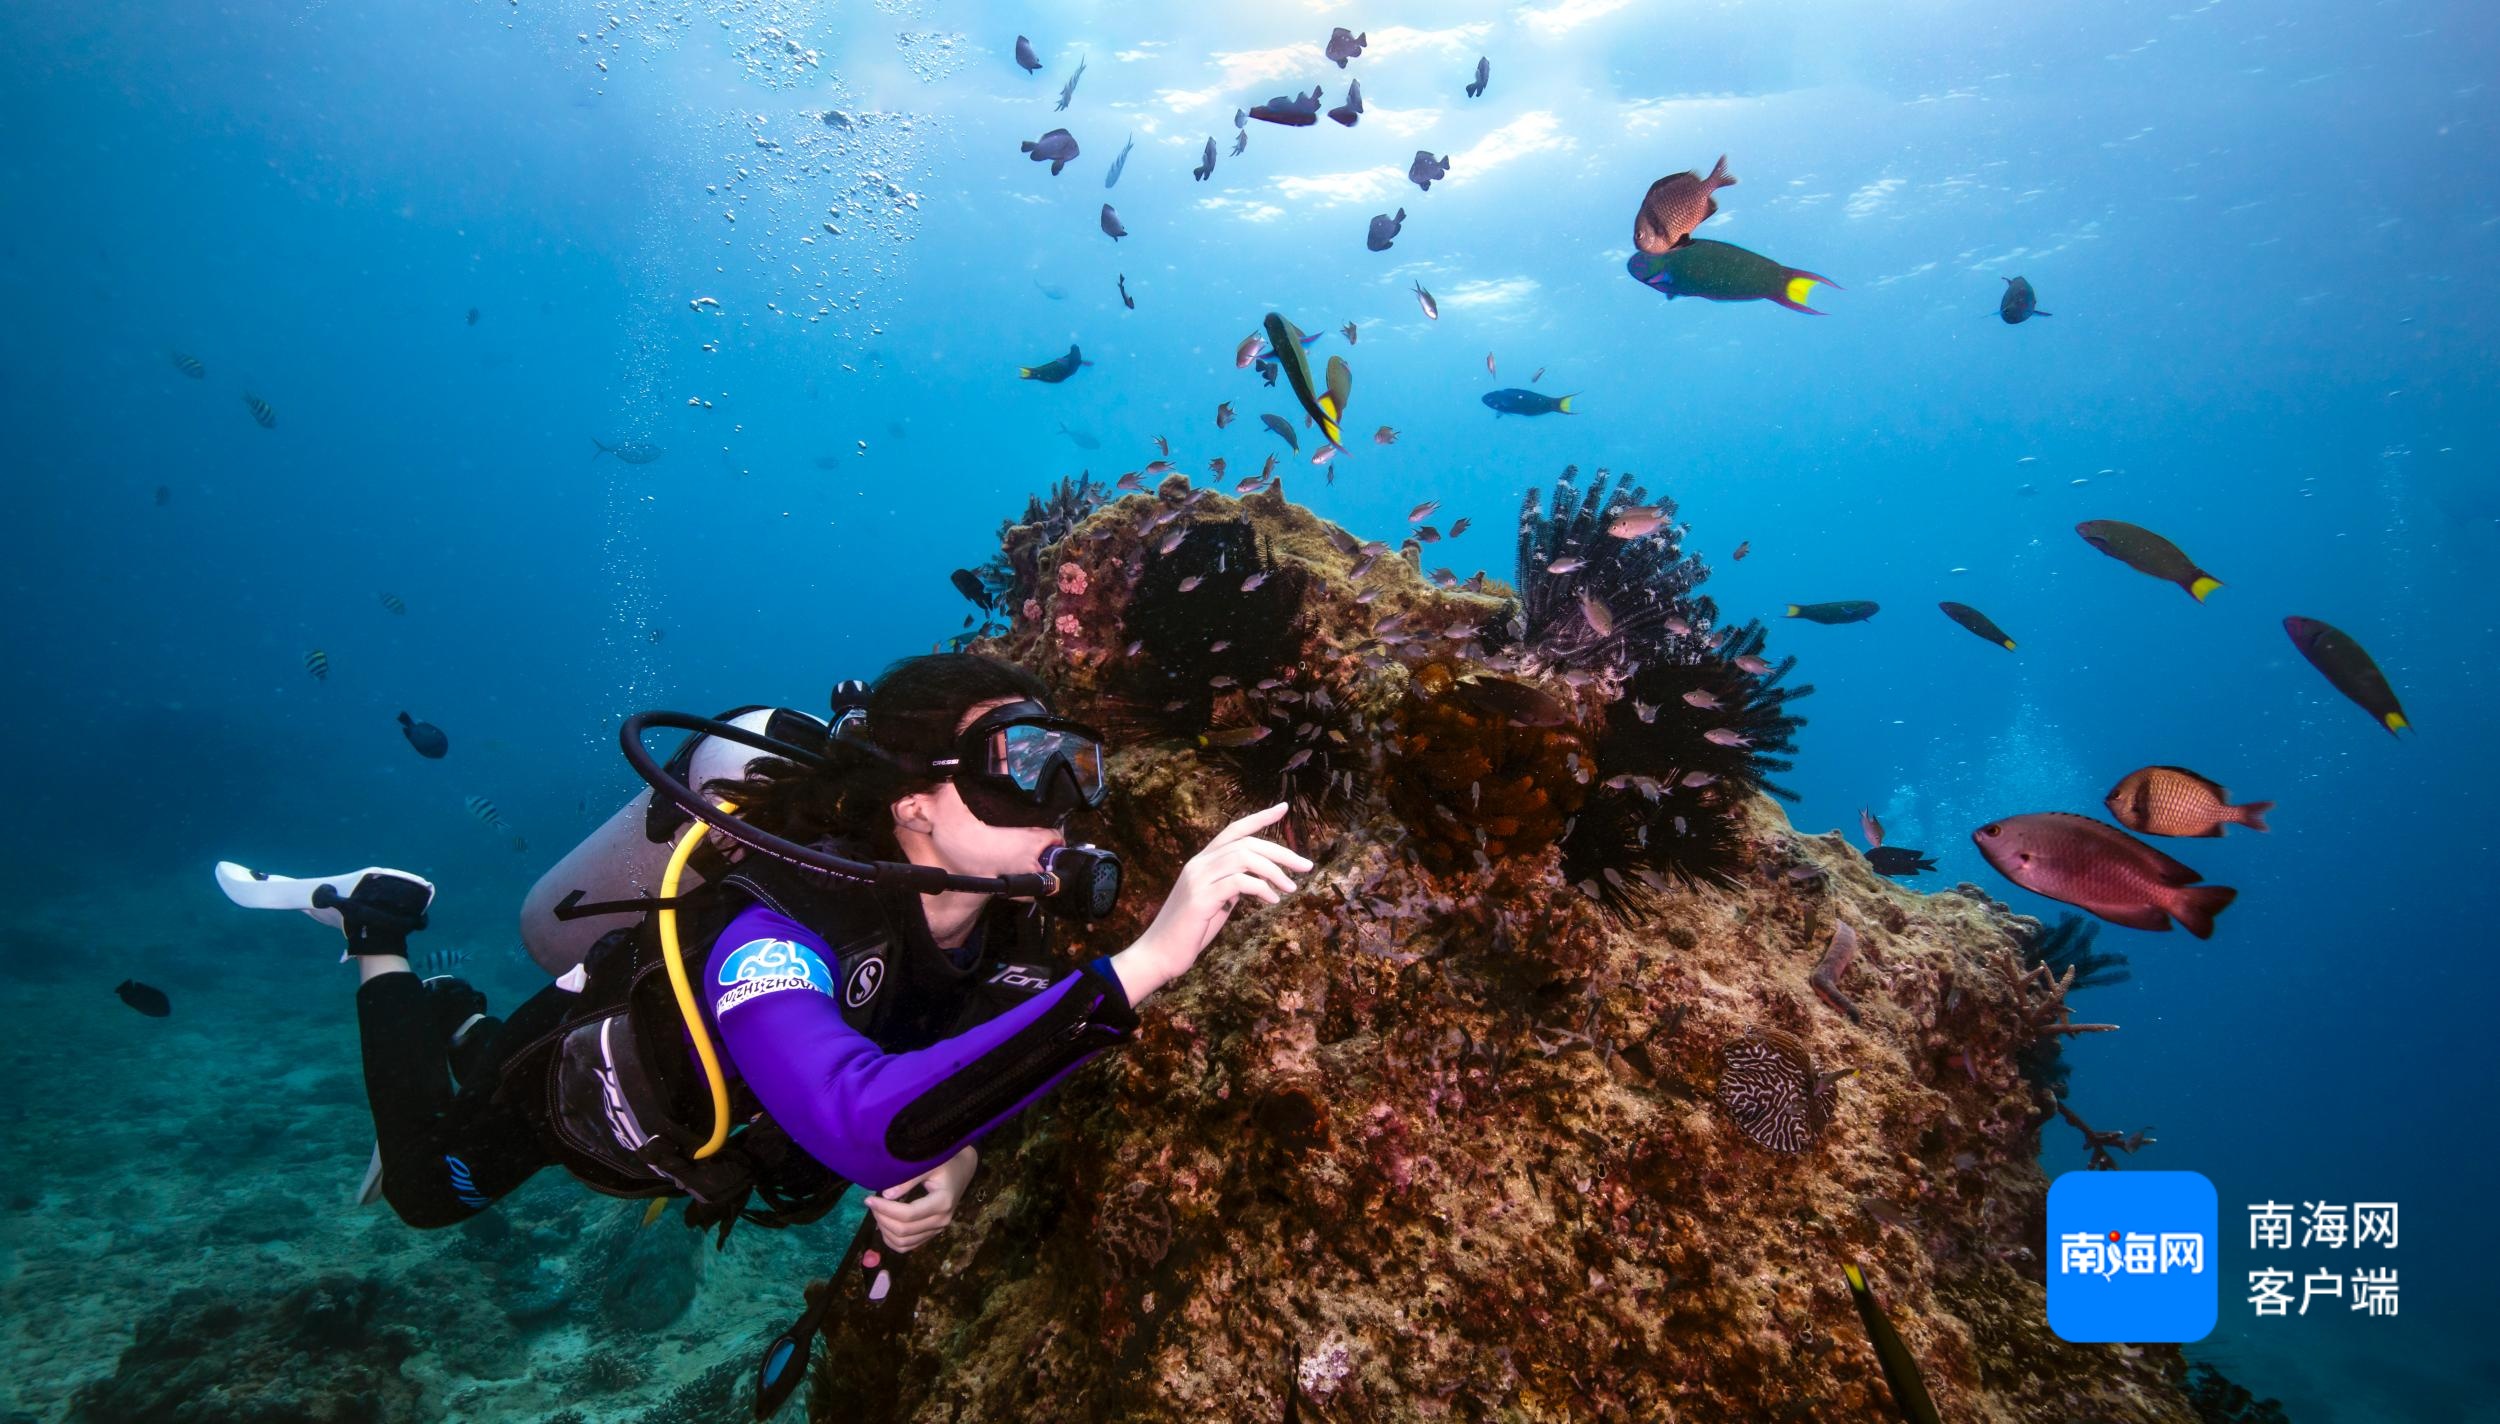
pixel 1251 348
pixel 1977 622
pixel 1516 702
pixel 1634 520
pixel 146 998
pixel 632 452
pixel 1901 1375
pixel 1241 141
pixel 1726 737
pixel 1223 415
pixel 1484 73
pixel 1292 110
pixel 317 663
pixel 2019 303
pixel 1432 309
pixel 2102 869
pixel 485 812
pixel 1427 170
pixel 1125 299
pixel 188 365
pixel 1120 163
pixel 1233 737
pixel 1847 610
pixel 1384 436
pixel 1515 401
pixel 1025 58
pixel 2148 553
pixel 1343 45
pixel 1348 332
pixel 1069 91
pixel 1082 440
pixel 1384 230
pixel 1870 828
pixel 1206 164
pixel 1899 862
pixel 1111 224
pixel 1055 148
pixel 1759 667
pixel 970 586
pixel 263 414
pixel 1704 699
pixel 2174 801
pixel 1675 205
pixel 1724 272
pixel 427 738
pixel 1422 512
pixel 1054 372
pixel 1742 550
pixel 1352 109
pixel 394 603
pixel 2333 652
pixel 1284 430
pixel 1459 528
pixel 1488 364
pixel 1601 619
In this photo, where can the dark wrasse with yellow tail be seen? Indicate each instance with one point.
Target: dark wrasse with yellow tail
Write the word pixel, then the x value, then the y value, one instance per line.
pixel 1909 1389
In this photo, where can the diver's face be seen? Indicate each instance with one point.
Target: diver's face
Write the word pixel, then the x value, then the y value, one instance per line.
pixel 962 842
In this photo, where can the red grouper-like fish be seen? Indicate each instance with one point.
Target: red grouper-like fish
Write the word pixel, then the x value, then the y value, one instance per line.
pixel 2101 868
pixel 1675 205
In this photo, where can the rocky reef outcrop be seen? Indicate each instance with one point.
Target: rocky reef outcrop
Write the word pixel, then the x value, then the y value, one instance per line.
pixel 1571 1076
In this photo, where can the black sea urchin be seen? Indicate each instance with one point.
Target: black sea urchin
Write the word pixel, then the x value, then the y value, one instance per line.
pixel 1015 571
pixel 1768 1087
pixel 1591 592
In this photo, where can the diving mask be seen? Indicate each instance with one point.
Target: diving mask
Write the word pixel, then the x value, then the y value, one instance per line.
pixel 1019 766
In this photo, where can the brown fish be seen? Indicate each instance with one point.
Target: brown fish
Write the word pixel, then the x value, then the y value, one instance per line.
pixel 2331 651
pixel 2174 801
pixel 1873 829
pixel 2102 869
pixel 1223 415
pixel 2147 553
pixel 1513 701
pixel 1634 520
pixel 1675 205
pixel 1384 436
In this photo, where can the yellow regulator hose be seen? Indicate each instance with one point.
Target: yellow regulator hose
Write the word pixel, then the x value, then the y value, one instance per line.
pixel 676 961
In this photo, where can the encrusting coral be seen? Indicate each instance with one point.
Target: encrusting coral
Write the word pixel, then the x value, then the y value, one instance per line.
pixel 1449 1133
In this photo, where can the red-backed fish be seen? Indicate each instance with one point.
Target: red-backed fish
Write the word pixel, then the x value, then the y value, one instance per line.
pixel 2102 869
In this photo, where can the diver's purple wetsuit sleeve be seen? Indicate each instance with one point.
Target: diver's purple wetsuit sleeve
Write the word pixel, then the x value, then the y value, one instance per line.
pixel 880 1118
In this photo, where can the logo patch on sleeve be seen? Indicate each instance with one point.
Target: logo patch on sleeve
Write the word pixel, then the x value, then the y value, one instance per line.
pixel 764 966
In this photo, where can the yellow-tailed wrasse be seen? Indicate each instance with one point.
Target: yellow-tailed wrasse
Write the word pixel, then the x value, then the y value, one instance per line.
pixel 1675 205
pixel 2102 869
pixel 1055 371
pixel 188 365
pixel 1724 272
pixel 2333 652
pixel 1977 622
pixel 1901 1373
pixel 317 663
pixel 1847 610
pixel 2146 552
pixel 2019 303
pixel 1287 342
pixel 2174 801
pixel 263 415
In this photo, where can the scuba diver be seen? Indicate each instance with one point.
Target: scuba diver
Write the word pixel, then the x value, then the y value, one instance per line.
pixel 870 906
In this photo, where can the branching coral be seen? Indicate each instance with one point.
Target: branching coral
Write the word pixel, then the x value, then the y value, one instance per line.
pixel 2101 1142
pixel 2064 956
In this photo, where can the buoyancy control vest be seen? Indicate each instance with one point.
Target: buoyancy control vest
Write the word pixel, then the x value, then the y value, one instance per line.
pixel 624 1101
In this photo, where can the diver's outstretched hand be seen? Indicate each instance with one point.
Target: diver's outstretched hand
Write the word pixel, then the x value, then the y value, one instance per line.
pixel 1235 863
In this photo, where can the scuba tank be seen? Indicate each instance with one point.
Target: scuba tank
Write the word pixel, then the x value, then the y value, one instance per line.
pixel 621 862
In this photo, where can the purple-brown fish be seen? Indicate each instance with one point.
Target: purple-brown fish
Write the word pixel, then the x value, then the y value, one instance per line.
pixel 2102 869
pixel 2333 652
pixel 1675 205
pixel 2174 801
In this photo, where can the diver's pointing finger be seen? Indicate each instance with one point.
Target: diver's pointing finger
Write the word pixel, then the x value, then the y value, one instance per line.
pixel 1254 821
pixel 1282 855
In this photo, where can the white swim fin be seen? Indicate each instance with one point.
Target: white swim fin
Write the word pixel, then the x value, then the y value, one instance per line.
pixel 257 890
pixel 370 1190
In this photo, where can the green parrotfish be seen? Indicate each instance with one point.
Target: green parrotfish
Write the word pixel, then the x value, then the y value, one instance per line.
pixel 1724 272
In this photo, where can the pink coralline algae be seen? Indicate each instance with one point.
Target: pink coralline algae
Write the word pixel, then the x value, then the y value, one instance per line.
pixel 1032 609
pixel 1068 626
pixel 1072 580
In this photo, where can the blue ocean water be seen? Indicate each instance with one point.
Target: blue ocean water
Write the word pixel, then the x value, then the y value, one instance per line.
pixel 2264 232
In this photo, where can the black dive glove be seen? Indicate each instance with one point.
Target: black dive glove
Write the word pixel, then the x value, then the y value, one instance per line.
pixel 380 915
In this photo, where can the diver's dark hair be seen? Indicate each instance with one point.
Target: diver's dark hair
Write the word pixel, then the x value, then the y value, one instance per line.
pixel 914 707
